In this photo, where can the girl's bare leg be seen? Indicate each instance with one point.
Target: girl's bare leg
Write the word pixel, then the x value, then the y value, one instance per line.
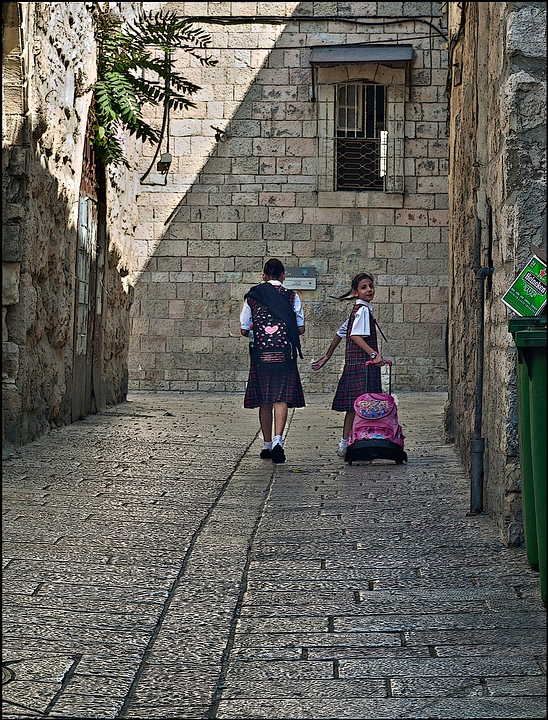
pixel 265 420
pixel 348 420
pixel 280 417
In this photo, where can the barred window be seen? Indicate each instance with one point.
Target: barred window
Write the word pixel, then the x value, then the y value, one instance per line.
pixel 361 138
pixel 361 92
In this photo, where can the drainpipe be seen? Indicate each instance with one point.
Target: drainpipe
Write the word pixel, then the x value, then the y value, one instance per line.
pixel 478 443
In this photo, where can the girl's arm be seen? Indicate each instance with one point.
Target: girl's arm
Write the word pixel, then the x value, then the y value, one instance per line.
pixel 360 342
pixel 321 362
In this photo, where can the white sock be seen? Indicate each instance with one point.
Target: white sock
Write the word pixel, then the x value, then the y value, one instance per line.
pixel 268 445
pixel 277 441
pixel 344 442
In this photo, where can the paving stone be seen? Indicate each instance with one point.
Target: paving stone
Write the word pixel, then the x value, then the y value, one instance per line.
pixel 421 667
pixel 28 698
pixel 350 709
pixel 173 709
pixel 326 688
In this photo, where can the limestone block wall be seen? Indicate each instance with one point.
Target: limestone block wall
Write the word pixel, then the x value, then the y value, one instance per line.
pixel 48 60
pixel 261 189
pixel 497 212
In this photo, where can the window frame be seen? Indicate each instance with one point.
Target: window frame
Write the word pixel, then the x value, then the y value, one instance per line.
pixel 395 81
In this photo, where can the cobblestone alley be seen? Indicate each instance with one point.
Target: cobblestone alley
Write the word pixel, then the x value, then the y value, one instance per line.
pixel 155 567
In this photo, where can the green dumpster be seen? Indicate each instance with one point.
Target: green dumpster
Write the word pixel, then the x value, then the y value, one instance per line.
pixel 517 324
pixel 531 344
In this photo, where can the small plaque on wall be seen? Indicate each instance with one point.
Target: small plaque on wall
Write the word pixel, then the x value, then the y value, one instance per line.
pixel 300 278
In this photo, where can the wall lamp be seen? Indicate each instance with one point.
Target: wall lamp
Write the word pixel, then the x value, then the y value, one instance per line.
pixel 164 163
pixel 220 135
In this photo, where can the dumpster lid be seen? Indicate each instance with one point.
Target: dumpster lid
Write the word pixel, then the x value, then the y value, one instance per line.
pixel 531 338
pixel 524 323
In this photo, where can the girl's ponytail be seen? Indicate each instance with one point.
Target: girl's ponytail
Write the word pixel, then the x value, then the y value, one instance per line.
pixel 346 296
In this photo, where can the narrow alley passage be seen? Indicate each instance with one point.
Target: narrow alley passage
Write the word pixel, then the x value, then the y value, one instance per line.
pixel 155 567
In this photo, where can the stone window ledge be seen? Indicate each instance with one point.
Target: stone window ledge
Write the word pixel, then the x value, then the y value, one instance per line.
pixel 360 199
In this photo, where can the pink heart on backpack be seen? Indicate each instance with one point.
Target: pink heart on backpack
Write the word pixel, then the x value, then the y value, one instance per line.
pixel 270 330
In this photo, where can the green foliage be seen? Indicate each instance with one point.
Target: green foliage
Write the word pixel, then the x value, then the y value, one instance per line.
pixel 136 67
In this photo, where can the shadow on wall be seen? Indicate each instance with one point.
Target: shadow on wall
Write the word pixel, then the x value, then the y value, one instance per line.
pixel 254 197
pixel 67 324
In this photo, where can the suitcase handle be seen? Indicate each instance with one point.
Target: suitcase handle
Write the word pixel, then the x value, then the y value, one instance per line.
pixel 386 362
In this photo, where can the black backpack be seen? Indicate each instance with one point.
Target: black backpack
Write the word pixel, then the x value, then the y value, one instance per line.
pixel 276 342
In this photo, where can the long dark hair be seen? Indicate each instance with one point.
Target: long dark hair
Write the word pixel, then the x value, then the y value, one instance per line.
pixel 354 286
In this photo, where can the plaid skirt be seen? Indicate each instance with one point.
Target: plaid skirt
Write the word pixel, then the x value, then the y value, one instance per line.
pixel 354 382
pixel 272 386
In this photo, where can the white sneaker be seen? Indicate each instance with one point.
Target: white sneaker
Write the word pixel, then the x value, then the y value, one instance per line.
pixel 341 452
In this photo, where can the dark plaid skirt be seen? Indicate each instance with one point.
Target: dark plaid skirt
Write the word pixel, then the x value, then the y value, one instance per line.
pixel 274 386
pixel 353 383
pixel 357 377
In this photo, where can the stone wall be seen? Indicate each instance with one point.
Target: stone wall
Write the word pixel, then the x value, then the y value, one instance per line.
pixel 497 212
pixel 262 190
pixel 48 61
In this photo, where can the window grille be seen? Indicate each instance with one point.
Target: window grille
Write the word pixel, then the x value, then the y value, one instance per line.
pixel 363 152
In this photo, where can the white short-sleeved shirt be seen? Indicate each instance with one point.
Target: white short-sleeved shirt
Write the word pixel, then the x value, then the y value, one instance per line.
pixel 361 325
pixel 245 315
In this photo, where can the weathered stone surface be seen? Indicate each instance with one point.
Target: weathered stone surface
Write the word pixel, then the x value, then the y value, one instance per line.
pixel 494 227
pixel 50 62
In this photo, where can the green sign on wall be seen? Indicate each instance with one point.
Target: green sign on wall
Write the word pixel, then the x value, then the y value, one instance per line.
pixel 527 294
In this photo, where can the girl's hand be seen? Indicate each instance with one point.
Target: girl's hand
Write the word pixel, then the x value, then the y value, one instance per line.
pixel 319 363
pixel 380 361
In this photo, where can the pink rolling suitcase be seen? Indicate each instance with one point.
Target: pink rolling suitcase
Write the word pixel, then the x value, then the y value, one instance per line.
pixel 376 432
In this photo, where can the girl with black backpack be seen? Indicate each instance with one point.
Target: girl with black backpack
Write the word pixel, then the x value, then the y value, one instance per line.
pixel 273 318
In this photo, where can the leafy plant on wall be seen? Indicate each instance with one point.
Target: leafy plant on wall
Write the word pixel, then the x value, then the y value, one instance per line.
pixel 135 67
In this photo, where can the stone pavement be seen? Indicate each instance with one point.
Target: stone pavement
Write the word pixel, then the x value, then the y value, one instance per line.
pixel 155 567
